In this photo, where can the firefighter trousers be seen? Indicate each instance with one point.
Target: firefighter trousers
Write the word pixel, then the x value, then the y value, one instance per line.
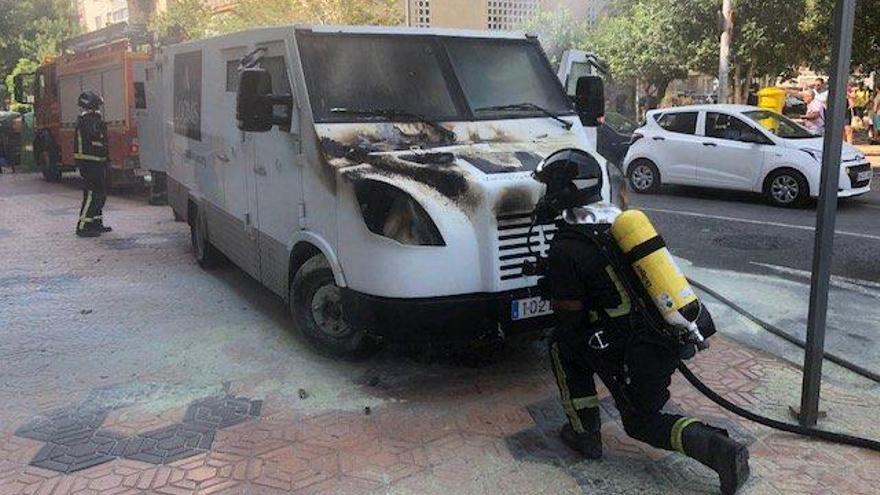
pixel 91 213
pixel 638 376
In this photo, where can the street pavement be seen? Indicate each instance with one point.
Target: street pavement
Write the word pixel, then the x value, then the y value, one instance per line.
pixel 124 368
pixel 738 241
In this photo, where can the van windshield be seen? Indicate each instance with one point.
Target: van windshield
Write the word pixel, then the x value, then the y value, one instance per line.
pixel 443 79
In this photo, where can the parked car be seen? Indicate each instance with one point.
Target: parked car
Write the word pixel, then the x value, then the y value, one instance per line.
pixel 737 147
pixel 614 136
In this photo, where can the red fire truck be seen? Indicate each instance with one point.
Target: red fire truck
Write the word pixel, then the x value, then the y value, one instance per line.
pixel 103 61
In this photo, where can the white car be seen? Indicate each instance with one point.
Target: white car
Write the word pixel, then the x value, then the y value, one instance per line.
pixel 737 147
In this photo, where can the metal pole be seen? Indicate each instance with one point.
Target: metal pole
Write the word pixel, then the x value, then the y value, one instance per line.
pixel 844 16
pixel 724 53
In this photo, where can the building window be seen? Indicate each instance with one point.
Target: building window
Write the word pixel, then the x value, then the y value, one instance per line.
pixel 423 13
pixel 506 15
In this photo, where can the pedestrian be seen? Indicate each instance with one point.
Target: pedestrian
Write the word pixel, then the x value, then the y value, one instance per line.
pixel 848 131
pixel 604 329
pixel 875 138
pixel 821 90
pixel 814 119
pixel 90 153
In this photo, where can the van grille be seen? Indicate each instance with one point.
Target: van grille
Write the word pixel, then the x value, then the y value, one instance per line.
pixel 854 173
pixel 513 247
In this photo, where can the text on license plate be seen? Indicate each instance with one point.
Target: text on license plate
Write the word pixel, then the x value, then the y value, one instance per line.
pixel 531 307
pixel 864 175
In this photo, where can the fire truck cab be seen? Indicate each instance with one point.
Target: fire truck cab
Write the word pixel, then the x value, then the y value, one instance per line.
pixel 103 63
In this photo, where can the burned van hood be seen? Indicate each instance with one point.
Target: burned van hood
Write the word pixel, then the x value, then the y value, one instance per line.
pixel 458 170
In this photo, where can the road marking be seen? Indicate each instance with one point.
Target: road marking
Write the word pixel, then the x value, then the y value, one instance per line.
pixel 862 286
pixel 759 222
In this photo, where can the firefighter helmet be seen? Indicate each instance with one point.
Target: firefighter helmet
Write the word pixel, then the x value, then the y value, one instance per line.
pixel 89 100
pixel 573 178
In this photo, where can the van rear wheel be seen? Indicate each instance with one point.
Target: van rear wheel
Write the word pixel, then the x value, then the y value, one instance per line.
pixel 207 256
pixel 316 307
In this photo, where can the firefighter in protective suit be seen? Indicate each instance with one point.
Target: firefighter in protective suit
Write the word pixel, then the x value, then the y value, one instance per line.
pixel 606 326
pixel 90 152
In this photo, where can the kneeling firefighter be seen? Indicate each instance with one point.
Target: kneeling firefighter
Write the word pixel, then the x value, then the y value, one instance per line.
pixel 625 313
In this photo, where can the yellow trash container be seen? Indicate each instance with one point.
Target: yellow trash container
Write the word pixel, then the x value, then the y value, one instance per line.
pixel 771 98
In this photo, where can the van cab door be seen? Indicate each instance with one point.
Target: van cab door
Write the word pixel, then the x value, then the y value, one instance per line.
pixel 277 172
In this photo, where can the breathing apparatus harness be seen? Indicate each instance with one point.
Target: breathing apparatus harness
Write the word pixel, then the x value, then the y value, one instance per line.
pixel 580 168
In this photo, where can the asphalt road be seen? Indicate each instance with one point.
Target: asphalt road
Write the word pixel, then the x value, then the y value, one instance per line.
pixel 740 232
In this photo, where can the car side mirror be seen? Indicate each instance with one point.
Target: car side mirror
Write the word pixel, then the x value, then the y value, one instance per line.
pixel 589 99
pixel 255 103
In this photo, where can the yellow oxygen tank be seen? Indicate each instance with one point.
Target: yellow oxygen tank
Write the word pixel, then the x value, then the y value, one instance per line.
pixel 659 274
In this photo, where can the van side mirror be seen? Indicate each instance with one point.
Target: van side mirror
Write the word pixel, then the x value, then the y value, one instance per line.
pixel 589 99
pixel 255 103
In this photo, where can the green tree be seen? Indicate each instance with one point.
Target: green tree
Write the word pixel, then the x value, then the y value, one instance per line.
pixel 189 19
pixel 277 12
pixel 650 43
pixel 558 31
pixel 816 27
pixel 33 30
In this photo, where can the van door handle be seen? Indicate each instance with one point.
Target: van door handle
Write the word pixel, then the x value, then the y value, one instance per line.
pixel 710 144
pixel 659 138
pixel 260 170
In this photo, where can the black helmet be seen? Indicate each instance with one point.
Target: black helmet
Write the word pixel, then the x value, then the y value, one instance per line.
pixel 89 100
pixel 573 178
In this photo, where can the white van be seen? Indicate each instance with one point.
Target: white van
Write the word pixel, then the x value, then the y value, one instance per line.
pixel 379 179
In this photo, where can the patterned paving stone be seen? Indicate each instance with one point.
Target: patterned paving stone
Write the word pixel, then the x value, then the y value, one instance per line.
pixel 74 439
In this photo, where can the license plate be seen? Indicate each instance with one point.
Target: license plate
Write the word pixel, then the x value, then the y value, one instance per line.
pixel 141 172
pixel 521 309
pixel 864 176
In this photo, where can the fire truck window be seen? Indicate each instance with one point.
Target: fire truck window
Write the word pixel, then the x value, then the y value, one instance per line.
pixel 232 76
pixel 140 95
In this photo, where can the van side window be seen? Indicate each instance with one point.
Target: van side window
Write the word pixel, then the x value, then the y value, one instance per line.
pixel 680 122
pixel 276 67
pixel 188 95
pixel 232 75
pixel 278 70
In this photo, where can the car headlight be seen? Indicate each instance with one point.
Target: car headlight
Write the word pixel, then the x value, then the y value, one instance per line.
pixel 816 154
pixel 392 213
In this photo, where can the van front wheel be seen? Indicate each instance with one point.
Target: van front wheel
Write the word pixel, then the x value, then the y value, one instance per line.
pixel 316 307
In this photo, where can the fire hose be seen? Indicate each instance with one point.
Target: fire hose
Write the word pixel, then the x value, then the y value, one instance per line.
pixel 828 436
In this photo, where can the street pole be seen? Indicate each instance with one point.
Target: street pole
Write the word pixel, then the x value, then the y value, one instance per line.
pixel 826 215
pixel 724 57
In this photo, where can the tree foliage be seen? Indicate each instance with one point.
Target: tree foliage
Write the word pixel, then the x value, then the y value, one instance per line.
pixel 816 26
pixel 190 19
pixel 653 41
pixel 558 31
pixel 33 30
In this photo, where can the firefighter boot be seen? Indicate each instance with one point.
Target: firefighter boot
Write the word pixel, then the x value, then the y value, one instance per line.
pixel 714 448
pixel 588 442
pixel 88 232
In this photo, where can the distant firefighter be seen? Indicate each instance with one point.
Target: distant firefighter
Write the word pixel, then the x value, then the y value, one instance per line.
pixel 90 151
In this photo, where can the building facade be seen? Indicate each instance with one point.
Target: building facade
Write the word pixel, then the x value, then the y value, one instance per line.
pixel 98 14
pixel 502 15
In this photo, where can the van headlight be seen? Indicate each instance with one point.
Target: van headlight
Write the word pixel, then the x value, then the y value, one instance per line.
pixel 392 213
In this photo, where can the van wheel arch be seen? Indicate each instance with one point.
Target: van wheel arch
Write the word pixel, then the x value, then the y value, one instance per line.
pixel 315 304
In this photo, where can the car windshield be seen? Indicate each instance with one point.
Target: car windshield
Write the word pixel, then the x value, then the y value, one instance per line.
pixel 442 79
pixel 779 125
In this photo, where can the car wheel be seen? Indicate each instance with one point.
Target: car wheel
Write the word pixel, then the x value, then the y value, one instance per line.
pixel 316 307
pixel 787 188
pixel 46 162
pixel 206 255
pixel 644 177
